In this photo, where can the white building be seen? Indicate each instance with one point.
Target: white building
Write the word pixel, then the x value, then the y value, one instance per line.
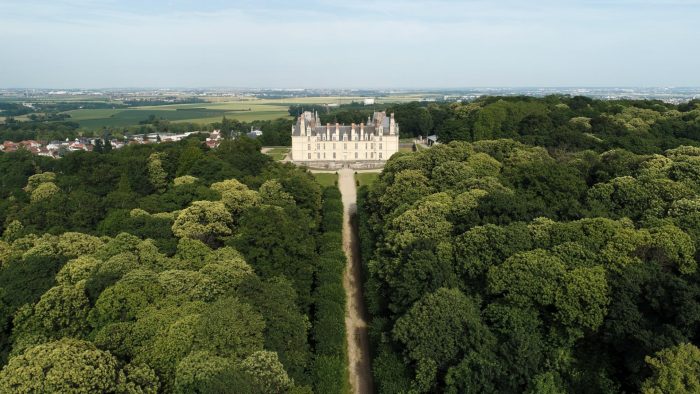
pixel 334 146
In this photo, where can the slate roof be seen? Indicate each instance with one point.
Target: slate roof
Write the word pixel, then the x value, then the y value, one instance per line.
pixel 313 120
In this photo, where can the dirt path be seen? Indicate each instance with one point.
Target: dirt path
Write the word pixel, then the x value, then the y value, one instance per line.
pixel 355 314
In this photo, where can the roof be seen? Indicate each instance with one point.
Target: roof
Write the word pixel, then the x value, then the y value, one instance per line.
pixel 378 121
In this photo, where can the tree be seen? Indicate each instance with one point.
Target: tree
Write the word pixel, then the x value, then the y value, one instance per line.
pixel 199 370
pixel 156 173
pixel 676 370
pixel 61 311
pixel 121 302
pixel 230 328
pixel 64 366
pixel 107 145
pixel 267 372
pixel 236 196
pixel 99 148
pixel 440 327
pixel 274 242
pixel 44 191
pixel 272 193
pixel 205 221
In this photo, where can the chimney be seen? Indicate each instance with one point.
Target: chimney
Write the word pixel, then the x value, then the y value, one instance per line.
pixel 352 135
pixel 392 125
pixel 362 131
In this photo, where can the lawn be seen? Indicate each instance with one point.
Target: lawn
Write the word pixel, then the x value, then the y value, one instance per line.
pixel 326 179
pixel 278 154
pixel 279 150
pixel 366 178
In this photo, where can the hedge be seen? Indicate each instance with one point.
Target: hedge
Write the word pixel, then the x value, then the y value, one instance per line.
pixel 330 366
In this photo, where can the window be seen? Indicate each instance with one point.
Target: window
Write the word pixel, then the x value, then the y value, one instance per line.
pixel 356 155
pixel 334 146
pixel 309 156
pixel 380 146
pixel 308 138
pixel 380 155
pixel 318 155
pixel 324 155
pixel 318 146
pixel 345 146
pixel 356 145
pixel 309 147
pixel 365 155
pixel 334 155
pixel 373 155
pixel 372 145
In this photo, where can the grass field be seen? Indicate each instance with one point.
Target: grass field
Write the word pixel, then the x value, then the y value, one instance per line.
pixel 244 110
pixel 202 113
pixel 326 179
pixel 366 178
pixel 278 154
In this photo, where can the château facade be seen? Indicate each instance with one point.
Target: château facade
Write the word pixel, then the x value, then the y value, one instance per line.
pixel 356 145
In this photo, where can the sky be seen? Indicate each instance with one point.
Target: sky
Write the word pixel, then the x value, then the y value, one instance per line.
pixel 349 44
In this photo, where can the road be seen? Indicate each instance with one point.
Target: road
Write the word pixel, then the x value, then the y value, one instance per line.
pixel 360 373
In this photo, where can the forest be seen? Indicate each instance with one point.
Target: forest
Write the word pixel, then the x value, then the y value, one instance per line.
pixel 547 245
pixel 499 267
pixel 169 268
pixel 554 122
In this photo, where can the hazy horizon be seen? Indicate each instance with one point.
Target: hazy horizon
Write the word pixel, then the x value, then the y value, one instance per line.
pixel 389 44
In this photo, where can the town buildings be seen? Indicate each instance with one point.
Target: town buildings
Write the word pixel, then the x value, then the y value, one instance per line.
pixel 363 145
pixel 57 149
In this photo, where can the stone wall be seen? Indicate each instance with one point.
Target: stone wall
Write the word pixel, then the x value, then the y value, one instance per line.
pixel 336 165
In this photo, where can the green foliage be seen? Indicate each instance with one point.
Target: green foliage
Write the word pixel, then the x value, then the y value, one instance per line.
pixel 156 173
pixel 65 366
pixel 77 263
pixel 676 370
pixel 267 373
pixel 501 267
pixel 205 221
pixel 329 368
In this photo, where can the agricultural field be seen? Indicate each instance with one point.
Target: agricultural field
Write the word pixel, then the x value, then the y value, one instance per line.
pixel 244 110
pixel 202 113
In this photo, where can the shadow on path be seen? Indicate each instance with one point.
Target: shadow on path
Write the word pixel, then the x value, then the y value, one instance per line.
pixel 360 373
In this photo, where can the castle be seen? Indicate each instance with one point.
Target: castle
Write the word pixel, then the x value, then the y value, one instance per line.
pixel 334 146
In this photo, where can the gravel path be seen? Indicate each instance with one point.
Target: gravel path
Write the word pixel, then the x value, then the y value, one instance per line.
pixel 355 315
